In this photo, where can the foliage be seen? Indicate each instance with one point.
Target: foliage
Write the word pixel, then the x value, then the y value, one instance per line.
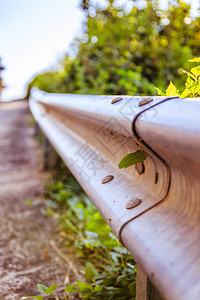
pixel 110 270
pixel 44 290
pixel 81 224
pixel 125 51
pixel 132 158
pixel 192 84
pixel 108 285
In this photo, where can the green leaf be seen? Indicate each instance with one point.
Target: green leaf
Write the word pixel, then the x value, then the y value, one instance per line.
pixel 189 74
pixel 42 288
pixel 51 289
pixel 185 93
pixel 132 159
pixel 82 286
pixel 70 288
pixel 97 288
pixel 196 71
pixel 189 82
pixel 172 90
pixel 132 288
pixel 91 272
pixel 197 59
pixel 196 91
pixel 160 93
pixel 194 88
pixel 28 201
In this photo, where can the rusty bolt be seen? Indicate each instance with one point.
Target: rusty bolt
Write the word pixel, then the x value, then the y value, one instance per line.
pixel 140 168
pixel 145 101
pixel 107 179
pixel 133 203
pixel 115 100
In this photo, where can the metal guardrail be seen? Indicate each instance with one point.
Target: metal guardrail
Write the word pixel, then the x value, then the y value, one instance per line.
pixel 161 230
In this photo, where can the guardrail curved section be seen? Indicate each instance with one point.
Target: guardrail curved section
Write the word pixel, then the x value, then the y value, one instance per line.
pixel 153 208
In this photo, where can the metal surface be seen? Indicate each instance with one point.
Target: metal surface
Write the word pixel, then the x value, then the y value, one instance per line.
pixel 166 239
pixel 92 136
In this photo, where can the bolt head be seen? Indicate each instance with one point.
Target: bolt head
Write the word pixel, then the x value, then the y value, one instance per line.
pixel 115 100
pixel 107 179
pixel 145 101
pixel 140 168
pixel 133 203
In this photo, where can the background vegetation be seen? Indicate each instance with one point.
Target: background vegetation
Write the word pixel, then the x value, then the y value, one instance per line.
pixel 127 51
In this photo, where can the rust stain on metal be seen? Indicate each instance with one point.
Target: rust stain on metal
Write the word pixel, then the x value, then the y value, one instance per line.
pixel 109 220
pixel 140 168
pixel 107 179
pixel 133 203
pixel 145 101
pixel 115 100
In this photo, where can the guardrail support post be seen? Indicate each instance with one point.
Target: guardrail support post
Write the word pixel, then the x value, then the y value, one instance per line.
pixel 36 129
pixel 141 284
pixel 144 288
pixel 46 153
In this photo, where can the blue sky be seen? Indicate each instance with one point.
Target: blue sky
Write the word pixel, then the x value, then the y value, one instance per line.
pixel 34 35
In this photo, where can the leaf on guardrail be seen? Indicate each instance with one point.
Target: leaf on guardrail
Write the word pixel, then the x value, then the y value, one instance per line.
pixel 132 159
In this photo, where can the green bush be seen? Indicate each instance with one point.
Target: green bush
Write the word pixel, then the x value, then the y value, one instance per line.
pixel 127 52
pixel 192 84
